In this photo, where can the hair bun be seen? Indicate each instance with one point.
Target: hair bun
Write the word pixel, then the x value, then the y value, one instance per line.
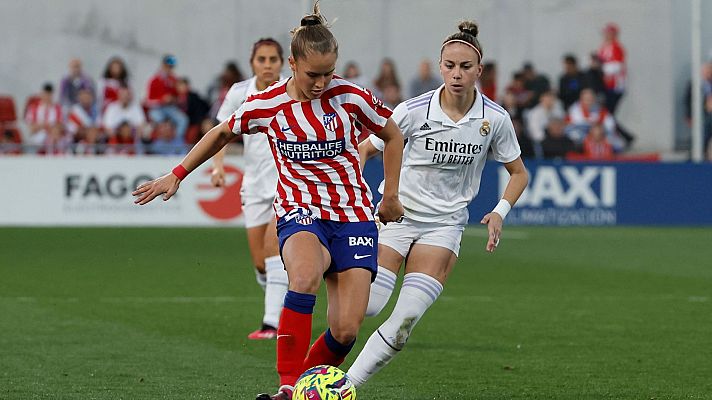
pixel 311 20
pixel 469 27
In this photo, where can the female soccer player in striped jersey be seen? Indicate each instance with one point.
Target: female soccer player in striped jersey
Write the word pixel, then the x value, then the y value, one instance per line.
pixel 325 224
pixel 259 185
pixel 449 131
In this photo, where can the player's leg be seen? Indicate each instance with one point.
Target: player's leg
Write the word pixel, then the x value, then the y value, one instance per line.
pixel 353 268
pixel 427 269
pixel 255 241
pixel 277 283
pixel 306 259
pixel 347 297
pixel 394 241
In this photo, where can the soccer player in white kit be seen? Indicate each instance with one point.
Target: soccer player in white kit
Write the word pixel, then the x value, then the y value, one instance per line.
pixel 326 225
pixel 448 132
pixel 259 186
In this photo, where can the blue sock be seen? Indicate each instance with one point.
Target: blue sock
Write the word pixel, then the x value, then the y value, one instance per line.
pixel 300 302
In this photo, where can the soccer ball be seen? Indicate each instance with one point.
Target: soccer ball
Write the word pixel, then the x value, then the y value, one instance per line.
pixel 324 382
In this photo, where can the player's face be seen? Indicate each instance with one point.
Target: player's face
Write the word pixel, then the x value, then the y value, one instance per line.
pixel 266 64
pixel 313 73
pixel 460 67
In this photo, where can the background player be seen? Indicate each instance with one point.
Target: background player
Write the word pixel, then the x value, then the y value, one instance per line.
pixel 325 213
pixel 449 132
pixel 259 185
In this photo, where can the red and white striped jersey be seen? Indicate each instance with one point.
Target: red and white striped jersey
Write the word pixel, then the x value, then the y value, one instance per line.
pixel 79 117
pixel 44 114
pixel 314 144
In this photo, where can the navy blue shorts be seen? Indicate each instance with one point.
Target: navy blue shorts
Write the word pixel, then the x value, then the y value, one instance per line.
pixel 351 244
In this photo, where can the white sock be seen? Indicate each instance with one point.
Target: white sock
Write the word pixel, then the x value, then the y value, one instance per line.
pixel 261 279
pixel 418 293
pixel 277 285
pixel 381 290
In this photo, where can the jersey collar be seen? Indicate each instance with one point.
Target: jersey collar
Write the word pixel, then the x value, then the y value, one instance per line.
pixel 435 112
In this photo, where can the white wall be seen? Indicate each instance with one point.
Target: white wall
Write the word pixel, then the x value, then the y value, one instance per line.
pixel 40 36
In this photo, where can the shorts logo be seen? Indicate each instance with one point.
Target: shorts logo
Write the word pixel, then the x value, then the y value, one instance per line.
pixel 301 216
pixel 330 121
pixel 360 241
pixel 358 256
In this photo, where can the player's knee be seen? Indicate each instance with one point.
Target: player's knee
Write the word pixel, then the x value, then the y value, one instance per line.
pixel 304 283
pixel 345 333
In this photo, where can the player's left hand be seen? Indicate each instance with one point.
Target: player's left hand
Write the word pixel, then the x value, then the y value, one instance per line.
pixel 494 228
pixel 167 185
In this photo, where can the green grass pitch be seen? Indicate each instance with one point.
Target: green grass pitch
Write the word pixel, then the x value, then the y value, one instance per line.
pixel 556 313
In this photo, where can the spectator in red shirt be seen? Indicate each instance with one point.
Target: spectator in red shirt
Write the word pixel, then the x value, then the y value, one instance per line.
pixel 115 75
pixel 612 56
pixel 596 145
pixel 44 117
pixel 162 98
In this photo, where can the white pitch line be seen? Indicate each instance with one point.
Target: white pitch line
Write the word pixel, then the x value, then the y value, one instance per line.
pixel 180 299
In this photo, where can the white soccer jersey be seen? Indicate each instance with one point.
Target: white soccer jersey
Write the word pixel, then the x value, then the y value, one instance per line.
pixel 443 160
pixel 315 146
pixel 260 180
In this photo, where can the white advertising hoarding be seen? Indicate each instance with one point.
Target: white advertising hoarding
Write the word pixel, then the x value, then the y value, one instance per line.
pixel 81 191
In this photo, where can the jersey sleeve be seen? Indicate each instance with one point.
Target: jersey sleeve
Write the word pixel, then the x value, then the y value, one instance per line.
pixel 401 117
pixel 505 146
pixel 368 109
pixel 249 119
pixel 233 99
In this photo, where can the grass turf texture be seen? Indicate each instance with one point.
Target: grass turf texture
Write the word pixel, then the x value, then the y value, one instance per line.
pixel 556 313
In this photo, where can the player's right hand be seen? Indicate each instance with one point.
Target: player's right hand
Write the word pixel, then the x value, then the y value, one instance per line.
pixel 217 178
pixel 167 185
pixel 390 210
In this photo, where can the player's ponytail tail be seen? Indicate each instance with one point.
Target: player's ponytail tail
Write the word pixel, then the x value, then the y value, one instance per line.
pixel 313 35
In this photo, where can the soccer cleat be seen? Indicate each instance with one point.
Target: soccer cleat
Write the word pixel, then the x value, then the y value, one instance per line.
pixel 263 334
pixel 285 393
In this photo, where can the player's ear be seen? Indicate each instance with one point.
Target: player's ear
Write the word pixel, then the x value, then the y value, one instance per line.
pixel 292 64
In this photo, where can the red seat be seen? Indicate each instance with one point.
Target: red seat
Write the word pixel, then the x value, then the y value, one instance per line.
pixel 7 109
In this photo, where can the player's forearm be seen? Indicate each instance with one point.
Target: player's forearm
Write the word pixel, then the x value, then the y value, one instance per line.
pixel 219 158
pixel 366 150
pixel 208 146
pixel 392 158
pixel 518 180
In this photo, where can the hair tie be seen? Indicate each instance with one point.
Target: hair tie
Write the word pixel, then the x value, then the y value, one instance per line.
pixel 310 21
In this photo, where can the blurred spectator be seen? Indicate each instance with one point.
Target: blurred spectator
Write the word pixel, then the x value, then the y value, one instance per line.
pixel 509 103
pixel 586 112
pixel 162 105
pixel 191 103
pixel 425 81
pixel 43 116
pixel 595 145
pixel 708 127
pixel 556 144
pixel 124 111
pixel 706 89
pixel 594 76
pixel 217 90
pixel 71 84
pixel 352 73
pixel 488 81
pixel 516 88
pixel 538 118
pixel 571 81
pixel 526 146
pixel 387 76
pixel 84 122
pixel 534 83
pixel 391 96
pixel 115 75
pixel 124 139
pixel 612 57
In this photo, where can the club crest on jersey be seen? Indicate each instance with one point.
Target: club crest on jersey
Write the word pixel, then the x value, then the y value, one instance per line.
pixel 485 128
pixel 301 216
pixel 330 121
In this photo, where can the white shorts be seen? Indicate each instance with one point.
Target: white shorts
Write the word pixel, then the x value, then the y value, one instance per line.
pixel 258 213
pixel 400 236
